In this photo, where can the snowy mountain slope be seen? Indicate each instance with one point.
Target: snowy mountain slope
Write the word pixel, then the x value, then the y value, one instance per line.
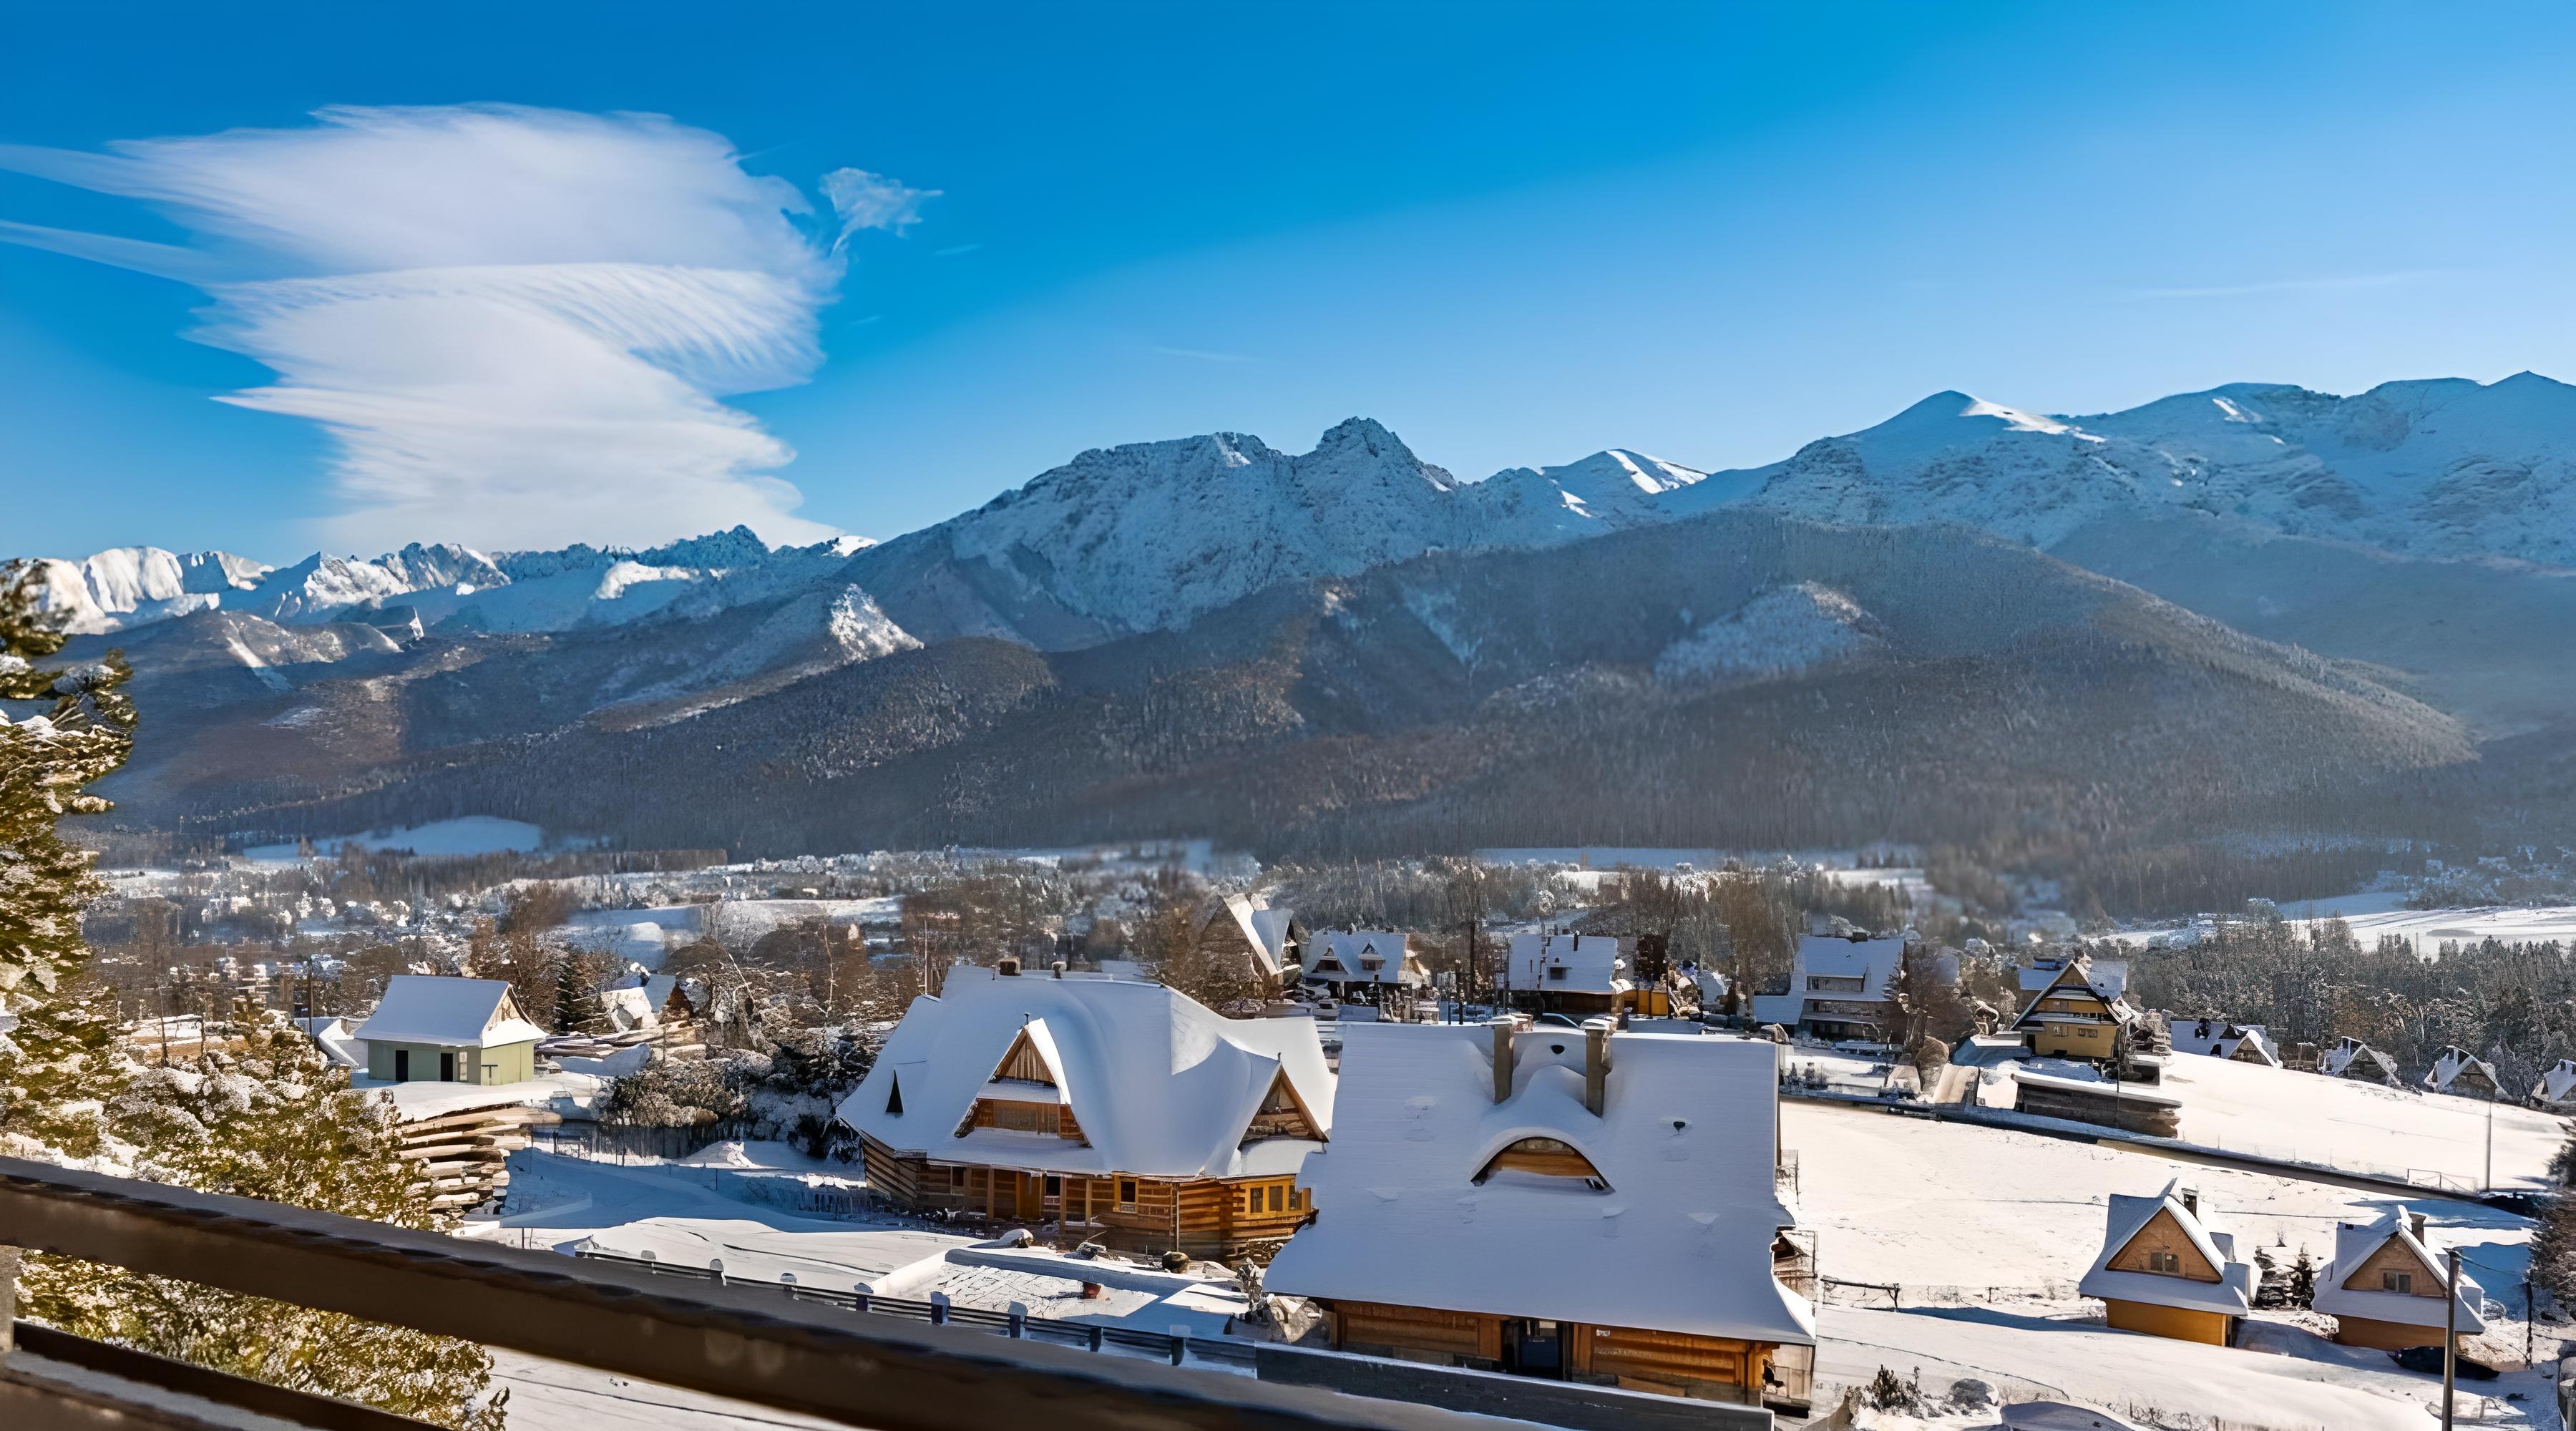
pixel 2446 468
pixel 129 586
pixel 1148 536
pixel 442 585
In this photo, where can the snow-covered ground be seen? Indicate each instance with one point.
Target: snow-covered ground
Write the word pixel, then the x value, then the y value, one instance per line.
pixel 2429 929
pixel 466 835
pixel 2307 1117
pixel 1986 1230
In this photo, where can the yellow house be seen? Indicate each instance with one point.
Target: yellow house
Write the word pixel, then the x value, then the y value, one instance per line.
pixel 2385 1289
pixel 2163 1270
pixel 2073 1014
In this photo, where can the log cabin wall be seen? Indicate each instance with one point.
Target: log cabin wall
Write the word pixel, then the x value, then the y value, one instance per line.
pixel 1634 1359
pixel 1205 1217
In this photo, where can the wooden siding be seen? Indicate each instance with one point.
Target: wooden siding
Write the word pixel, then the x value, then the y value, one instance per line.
pixel 1205 1217
pixel 2182 1324
pixel 2394 1256
pixel 1542 1155
pixel 1633 1358
pixel 1021 1063
pixel 2163 1234
pixel 2384 1336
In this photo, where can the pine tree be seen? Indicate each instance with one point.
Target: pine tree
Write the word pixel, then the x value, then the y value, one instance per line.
pixel 273 1122
pixel 576 1004
pixel 2303 1280
pixel 58 1060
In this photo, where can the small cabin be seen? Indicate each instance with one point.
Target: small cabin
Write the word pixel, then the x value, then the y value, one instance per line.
pixel 2217 1038
pixel 2165 1271
pixel 1107 1108
pixel 2387 1286
pixel 2351 1058
pixel 1575 1205
pixel 2556 1090
pixel 2456 1070
pixel 432 1028
pixel 1375 966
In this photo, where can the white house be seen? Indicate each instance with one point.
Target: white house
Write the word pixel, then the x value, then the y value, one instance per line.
pixel 1567 973
pixel 1116 1108
pixel 1573 1204
pixel 1368 962
pixel 2166 1271
pixel 2456 1070
pixel 2386 1287
pixel 1838 988
pixel 430 1028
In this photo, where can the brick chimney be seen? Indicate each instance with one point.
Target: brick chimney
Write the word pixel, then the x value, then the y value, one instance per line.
pixel 1596 1063
pixel 1503 1029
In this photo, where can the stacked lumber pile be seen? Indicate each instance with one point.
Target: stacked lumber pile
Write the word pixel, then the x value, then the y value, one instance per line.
pixel 462 1155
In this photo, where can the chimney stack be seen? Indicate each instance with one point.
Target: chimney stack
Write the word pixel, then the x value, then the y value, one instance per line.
pixel 1503 1029
pixel 2190 1200
pixel 2416 1219
pixel 1596 1063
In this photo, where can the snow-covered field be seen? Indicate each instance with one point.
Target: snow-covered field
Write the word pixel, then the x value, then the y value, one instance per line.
pixel 2003 1223
pixel 467 835
pixel 2307 1117
pixel 2429 929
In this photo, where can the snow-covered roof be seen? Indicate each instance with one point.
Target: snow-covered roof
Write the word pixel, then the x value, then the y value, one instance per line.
pixel 1678 1237
pixel 2558 1085
pixel 338 1042
pixel 1873 961
pixel 2218 1038
pixel 2339 1060
pixel 2356 1243
pixel 2072 1077
pixel 1567 964
pixel 1264 928
pixel 432 1008
pixel 2452 1063
pixel 2108 975
pixel 1365 956
pixel 1161 1085
pixel 2232 1294
pixel 630 1008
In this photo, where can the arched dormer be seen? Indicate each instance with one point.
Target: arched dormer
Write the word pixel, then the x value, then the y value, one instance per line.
pixel 1546 1157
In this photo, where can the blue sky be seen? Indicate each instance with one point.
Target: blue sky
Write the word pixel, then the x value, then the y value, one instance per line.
pixel 1514 234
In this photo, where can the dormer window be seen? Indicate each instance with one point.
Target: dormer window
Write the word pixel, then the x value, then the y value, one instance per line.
pixel 1546 1157
pixel 2165 1261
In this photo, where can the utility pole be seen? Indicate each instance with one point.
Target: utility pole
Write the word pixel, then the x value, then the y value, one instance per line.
pixel 2450 1337
pixel 2489 1185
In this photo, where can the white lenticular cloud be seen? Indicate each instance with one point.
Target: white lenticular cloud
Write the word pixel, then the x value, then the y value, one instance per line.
pixel 515 323
pixel 871 201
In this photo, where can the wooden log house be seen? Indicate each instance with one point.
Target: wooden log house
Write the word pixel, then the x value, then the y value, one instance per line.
pixel 2387 1287
pixel 1113 1109
pixel 2165 1271
pixel 1576 1205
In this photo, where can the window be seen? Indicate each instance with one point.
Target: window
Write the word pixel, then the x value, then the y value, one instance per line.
pixel 2397 1282
pixel 1054 1186
pixel 1127 1194
pixel 2163 1261
pixel 1296 1199
pixel 1024 1117
pixel 1836 983
pixel 1278 1197
pixel 957 1177
pixel 1252 1199
pixel 1556 972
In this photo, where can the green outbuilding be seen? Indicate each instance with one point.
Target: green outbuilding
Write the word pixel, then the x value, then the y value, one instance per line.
pixel 433 1029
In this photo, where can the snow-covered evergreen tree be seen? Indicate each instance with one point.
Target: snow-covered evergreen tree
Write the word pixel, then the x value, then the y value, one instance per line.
pixel 576 1003
pixel 274 1121
pixel 58 1064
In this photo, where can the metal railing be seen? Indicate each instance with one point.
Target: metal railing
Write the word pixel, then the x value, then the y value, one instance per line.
pixel 787 1354
pixel 1173 1347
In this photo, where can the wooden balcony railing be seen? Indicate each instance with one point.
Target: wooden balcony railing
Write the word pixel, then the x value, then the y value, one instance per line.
pixel 749 1344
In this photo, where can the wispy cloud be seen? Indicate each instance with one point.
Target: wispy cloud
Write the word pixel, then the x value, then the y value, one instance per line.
pixel 954 250
pixel 2325 283
pixel 871 201
pixel 517 324
pixel 1197 355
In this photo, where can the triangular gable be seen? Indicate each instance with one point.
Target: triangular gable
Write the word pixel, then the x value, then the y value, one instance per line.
pixel 1282 1114
pixel 2073 978
pixel 894 1094
pixel 2164 1232
pixel 1026 1061
pixel 2403 1246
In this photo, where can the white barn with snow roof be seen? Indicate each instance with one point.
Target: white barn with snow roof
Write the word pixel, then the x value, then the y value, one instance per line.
pixel 431 1028
pixel 1117 1108
pixel 2166 1271
pixel 1577 1205
pixel 2387 1287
